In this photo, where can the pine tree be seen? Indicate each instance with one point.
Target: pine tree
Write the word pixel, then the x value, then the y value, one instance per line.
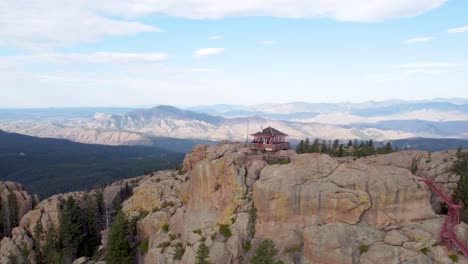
pixel 203 254
pixel 38 236
pixel 324 148
pixel 91 238
pixel 460 167
pixel 307 146
pixel 50 251
pixel 71 230
pixel 118 246
pixel 370 148
pixel 315 148
pixel 341 151
pixel 266 253
pixel 336 145
pixel 300 147
pixel 388 147
pixel 350 143
pixel 10 213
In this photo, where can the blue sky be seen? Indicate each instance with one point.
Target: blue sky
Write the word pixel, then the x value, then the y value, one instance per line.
pixel 120 53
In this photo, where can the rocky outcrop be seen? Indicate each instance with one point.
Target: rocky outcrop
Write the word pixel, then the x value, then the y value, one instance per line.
pixel 18 248
pixel 325 210
pixel 316 209
pixel 436 166
pixel 24 201
pixel 182 210
pixel 48 212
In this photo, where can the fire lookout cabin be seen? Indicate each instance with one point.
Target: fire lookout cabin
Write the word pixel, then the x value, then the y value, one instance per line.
pixel 269 139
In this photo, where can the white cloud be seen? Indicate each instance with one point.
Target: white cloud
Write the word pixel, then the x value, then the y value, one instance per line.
pixel 94 58
pixel 418 40
pixel 344 10
pixel 458 30
pixel 208 52
pixel 426 71
pixel 55 23
pixel 215 37
pixel 268 42
pixel 33 24
pixel 430 65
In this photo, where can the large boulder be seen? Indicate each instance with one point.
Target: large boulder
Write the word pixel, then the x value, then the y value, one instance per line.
pixel 17 249
pixel 396 195
pixel 313 204
pixel 299 194
pixel 48 212
pixel 436 166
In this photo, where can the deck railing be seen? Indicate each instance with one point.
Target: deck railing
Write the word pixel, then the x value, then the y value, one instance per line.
pixel 270 147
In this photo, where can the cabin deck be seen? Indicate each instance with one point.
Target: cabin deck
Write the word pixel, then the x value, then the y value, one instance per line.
pixel 270 147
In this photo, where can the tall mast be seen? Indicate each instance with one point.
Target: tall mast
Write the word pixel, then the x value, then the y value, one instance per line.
pixel 247 134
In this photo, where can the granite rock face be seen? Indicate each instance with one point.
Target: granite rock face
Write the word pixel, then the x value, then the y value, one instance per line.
pixel 315 208
pixel 435 166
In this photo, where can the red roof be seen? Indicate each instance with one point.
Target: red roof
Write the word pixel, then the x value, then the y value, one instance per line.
pixel 269 132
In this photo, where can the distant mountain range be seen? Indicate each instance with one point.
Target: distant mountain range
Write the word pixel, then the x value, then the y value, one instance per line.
pixel 387 120
pixel 371 108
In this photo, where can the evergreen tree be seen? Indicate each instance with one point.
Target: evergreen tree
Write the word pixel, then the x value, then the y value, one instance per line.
pixel 388 147
pixel 300 147
pixel 460 167
pixel 350 143
pixel 71 230
pixel 307 146
pixel 315 148
pixel 91 238
pixel 38 236
pixel 336 145
pixel 266 253
pixel 10 213
pixel 103 220
pixel 203 254
pixel 324 148
pixel 355 144
pixel 118 246
pixel 371 144
pixel 341 151
pixel 50 252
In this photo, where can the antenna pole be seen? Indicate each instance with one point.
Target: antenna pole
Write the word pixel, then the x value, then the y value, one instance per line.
pixel 247 135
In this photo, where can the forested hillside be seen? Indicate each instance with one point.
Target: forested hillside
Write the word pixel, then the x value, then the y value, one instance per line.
pixel 49 166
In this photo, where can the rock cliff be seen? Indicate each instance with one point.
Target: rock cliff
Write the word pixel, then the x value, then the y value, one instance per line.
pixel 315 208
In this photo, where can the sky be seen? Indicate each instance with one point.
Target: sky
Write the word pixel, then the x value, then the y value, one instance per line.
pixel 64 53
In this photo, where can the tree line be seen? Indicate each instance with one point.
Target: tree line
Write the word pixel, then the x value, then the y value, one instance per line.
pixel 337 149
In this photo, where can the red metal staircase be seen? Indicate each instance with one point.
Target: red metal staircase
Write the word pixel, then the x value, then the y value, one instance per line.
pixel 447 234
